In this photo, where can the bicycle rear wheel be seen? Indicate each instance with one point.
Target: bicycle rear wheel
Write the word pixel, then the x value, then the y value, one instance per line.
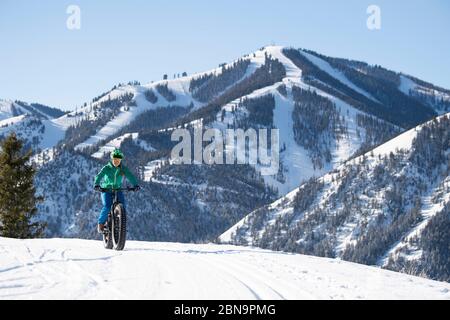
pixel 107 238
pixel 119 227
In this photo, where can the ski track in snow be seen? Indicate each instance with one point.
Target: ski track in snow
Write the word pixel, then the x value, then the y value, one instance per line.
pixel 83 269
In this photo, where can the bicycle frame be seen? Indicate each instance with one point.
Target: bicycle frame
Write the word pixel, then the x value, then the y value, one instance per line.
pixel 115 193
pixel 119 242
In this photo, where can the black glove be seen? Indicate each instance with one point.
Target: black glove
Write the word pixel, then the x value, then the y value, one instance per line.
pixel 97 188
pixel 136 188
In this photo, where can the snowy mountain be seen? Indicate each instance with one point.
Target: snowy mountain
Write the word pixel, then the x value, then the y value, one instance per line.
pixel 393 90
pixel 327 110
pixel 12 109
pixel 389 207
pixel 82 269
pixel 34 123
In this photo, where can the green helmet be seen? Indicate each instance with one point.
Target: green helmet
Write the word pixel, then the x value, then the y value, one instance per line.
pixel 116 154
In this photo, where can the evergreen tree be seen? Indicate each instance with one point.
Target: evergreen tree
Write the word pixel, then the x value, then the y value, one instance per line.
pixel 17 192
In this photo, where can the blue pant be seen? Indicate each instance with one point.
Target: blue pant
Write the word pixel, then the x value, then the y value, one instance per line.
pixel 107 200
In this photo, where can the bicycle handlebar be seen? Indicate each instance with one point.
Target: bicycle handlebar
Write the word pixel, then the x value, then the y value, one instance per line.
pixel 116 189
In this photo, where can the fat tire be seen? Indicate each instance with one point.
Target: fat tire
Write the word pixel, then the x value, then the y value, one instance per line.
pixel 119 227
pixel 107 237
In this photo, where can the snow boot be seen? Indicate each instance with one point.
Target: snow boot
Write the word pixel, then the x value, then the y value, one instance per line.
pixel 100 228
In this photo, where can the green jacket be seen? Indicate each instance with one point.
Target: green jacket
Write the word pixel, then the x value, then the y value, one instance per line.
pixel 112 176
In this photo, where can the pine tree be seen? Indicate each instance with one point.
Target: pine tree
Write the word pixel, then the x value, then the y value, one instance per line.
pixel 17 192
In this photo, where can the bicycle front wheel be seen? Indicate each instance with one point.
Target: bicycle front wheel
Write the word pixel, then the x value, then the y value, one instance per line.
pixel 119 227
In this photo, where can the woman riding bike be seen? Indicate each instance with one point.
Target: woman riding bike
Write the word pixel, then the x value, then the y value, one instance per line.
pixel 112 175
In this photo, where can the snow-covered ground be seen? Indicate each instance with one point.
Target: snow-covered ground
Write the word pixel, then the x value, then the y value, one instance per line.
pixel 82 269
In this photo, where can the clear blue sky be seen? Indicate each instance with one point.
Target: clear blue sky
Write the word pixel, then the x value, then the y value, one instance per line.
pixel 42 61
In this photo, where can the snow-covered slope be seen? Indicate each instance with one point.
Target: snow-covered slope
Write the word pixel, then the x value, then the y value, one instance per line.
pixel 338 75
pixel 296 161
pixel 34 123
pixel 117 142
pixel 437 97
pixel 82 269
pixel 9 109
pixel 387 207
pixel 40 134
